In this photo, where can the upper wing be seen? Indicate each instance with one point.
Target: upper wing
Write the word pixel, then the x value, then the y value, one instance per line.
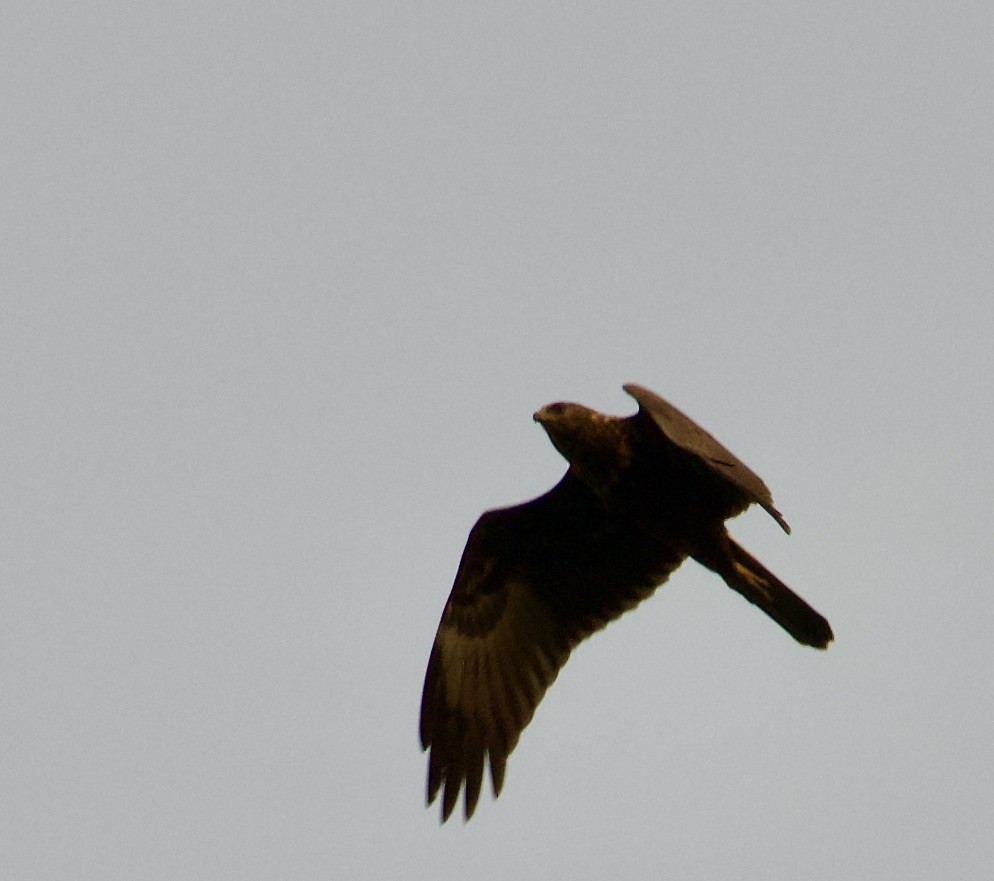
pixel 534 581
pixel 682 431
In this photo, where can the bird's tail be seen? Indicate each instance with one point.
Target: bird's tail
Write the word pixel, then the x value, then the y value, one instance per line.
pixel 746 575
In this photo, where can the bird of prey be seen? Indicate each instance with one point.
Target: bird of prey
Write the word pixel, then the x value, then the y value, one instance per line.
pixel 642 493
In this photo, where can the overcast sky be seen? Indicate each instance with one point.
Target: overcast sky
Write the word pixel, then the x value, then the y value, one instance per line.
pixel 281 287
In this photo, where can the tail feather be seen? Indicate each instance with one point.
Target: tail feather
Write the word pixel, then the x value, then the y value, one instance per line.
pixel 746 575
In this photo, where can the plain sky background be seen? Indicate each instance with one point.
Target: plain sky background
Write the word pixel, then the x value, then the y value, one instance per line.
pixel 281 286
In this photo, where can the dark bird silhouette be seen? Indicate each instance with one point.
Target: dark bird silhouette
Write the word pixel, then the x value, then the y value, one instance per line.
pixel 642 493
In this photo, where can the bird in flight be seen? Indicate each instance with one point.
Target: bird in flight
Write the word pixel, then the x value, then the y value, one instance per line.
pixel 642 493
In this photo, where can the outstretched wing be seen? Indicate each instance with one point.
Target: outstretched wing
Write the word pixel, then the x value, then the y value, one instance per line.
pixel 534 581
pixel 686 434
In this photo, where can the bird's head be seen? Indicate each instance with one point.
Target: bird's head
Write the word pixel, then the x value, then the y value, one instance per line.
pixel 583 436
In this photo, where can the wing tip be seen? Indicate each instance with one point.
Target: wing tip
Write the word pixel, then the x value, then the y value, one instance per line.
pixel 776 515
pixel 634 390
pixel 441 781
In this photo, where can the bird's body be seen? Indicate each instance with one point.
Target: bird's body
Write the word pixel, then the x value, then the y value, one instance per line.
pixel 642 493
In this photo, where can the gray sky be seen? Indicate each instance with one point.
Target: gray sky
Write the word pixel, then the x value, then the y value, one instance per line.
pixel 281 287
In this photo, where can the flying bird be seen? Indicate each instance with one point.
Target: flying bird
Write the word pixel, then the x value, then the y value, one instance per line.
pixel 641 494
